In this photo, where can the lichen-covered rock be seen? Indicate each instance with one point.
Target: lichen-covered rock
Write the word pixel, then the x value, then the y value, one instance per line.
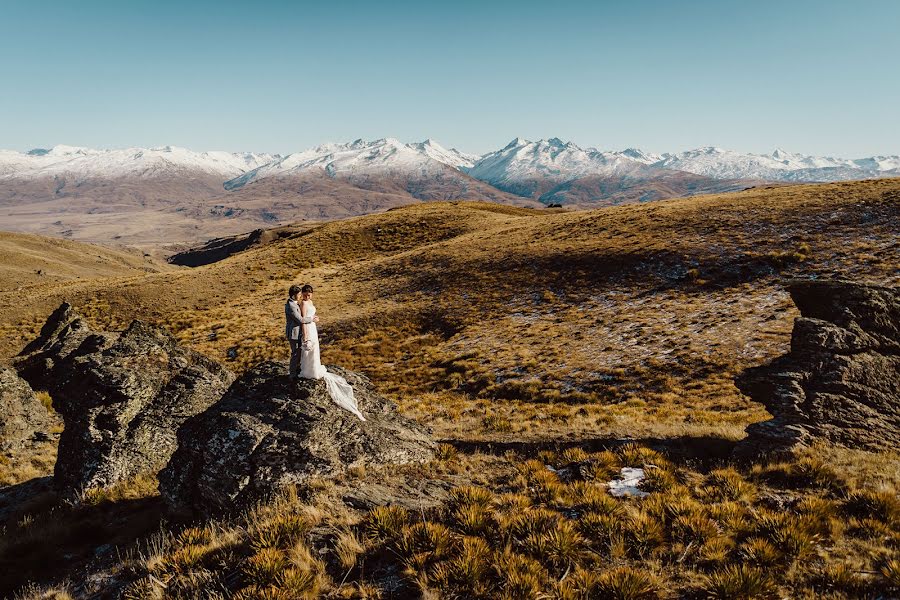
pixel 64 337
pixel 268 432
pixel 841 380
pixel 21 413
pixel 122 397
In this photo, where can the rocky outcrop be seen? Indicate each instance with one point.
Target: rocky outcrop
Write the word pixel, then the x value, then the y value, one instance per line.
pixel 122 397
pixel 267 432
pixel 65 336
pixel 21 414
pixel 841 380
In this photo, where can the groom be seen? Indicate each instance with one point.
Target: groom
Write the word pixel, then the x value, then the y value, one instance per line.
pixel 294 327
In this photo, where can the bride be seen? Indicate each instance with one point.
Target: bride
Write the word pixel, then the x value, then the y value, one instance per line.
pixel 311 364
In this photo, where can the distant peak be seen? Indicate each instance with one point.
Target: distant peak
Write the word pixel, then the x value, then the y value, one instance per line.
pixel 62 149
pixel 517 142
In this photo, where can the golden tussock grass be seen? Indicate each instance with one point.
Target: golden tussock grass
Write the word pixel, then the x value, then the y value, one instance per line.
pixel 494 325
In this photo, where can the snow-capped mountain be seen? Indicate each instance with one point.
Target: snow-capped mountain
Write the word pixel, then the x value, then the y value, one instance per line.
pixel 86 163
pixel 451 157
pixel 778 166
pixel 387 156
pixel 175 194
pixel 357 174
pixel 524 167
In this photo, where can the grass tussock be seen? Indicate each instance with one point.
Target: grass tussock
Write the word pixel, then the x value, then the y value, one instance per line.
pixel 630 321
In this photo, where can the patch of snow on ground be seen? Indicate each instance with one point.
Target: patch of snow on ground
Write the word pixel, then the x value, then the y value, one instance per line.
pixel 631 478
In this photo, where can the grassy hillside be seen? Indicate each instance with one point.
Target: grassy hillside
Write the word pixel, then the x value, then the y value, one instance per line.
pixel 516 332
pixel 30 260
pixel 652 307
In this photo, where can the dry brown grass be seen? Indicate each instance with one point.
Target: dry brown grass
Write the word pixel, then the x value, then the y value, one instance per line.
pixel 496 325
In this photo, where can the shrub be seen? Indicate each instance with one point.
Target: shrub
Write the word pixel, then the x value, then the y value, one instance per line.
pixel 446 452
pixel 633 455
pixel 300 583
pixel 890 570
pixel 281 531
pixel 881 505
pixel 628 583
pixel 593 498
pixel 468 573
pixel 715 551
pixel 497 423
pixel 760 552
pixel 840 577
pixel 599 528
pixel 521 577
pixel 563 544
pixel 186 558
pixel 433 540
pixel 384 523
pixel 266 566
pixel 739 582
pixel 347 547
pixel 468 495
pixel 643 534
pixel 727 484
pixel 538 520
pixel 694 528
pixel 473 519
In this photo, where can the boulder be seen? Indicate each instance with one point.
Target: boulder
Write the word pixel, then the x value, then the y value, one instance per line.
pixel 21 413
pixel 840 382
pixel 268 432
pixel 122 397
pixel 64 337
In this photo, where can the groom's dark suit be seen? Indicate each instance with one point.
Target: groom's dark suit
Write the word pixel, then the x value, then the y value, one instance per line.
pixel 293 330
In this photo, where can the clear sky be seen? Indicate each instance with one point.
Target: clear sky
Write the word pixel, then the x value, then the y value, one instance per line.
pixel 819 77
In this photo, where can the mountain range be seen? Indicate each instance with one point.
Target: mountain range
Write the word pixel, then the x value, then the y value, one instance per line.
pixel 171 194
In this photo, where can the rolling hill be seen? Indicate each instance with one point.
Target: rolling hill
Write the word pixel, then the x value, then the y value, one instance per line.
pixel 147 197
pixel 527 341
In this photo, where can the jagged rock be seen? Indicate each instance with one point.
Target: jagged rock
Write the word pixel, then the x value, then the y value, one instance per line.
pixel 841 380
pixel 21 414
pixel 64 337
pixel 122 397
pixel 267 432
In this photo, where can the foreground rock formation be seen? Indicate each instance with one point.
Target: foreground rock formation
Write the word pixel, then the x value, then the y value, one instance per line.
pixel 21 414
pixel 122 397
pixel 841 380
pixel 267 432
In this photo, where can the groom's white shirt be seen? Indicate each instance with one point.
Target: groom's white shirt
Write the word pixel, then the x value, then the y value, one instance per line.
pixel 293 327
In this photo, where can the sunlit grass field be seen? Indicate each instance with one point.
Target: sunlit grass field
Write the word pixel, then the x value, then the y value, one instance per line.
pixel 529 341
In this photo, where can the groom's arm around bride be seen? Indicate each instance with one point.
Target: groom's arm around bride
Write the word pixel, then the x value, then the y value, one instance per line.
pixel 294 321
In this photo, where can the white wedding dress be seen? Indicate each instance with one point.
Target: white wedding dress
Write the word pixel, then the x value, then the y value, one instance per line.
pixel 311 367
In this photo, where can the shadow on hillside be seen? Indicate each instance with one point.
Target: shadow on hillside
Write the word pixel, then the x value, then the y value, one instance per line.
pixel 45 540
pixel 656 269
pixel 705 450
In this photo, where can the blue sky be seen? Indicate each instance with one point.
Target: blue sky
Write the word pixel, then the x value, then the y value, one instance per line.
pixel 809 76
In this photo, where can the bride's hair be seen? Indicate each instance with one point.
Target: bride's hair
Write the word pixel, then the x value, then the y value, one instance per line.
pixel 307 289
pixel 294 290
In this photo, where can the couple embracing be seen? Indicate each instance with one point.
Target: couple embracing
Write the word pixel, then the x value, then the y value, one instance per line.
pixel 303 336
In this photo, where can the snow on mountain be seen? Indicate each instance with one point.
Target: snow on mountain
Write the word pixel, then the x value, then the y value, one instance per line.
pixel 451 157
pixel 386 156
pixel 86 163
pixel 521 167
pixel 647 158
pixel 522 161
pixel 778 166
